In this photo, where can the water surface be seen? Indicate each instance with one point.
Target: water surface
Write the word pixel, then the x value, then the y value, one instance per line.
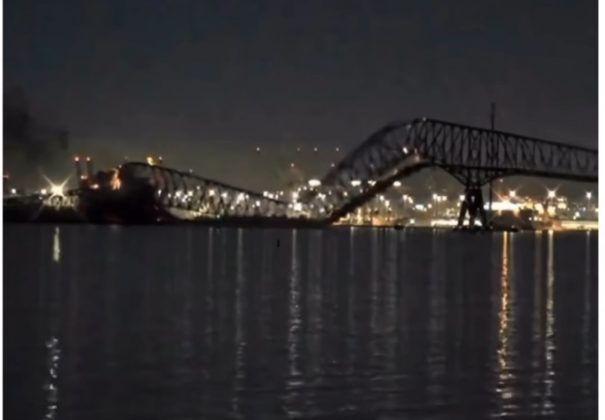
pixel 194 323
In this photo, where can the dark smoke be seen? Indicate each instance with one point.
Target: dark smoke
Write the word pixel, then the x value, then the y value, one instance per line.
pixel 26 136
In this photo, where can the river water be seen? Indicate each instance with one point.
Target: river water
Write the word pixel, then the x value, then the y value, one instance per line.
pixel 205 323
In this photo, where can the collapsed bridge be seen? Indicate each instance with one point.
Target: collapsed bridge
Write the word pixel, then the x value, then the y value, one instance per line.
pixel 474 156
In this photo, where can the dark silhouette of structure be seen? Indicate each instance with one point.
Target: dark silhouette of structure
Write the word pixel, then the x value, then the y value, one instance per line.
pixel 474 156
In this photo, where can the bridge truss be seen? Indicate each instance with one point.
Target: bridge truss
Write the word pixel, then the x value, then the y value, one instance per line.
pixel 474 156
pixel 192 196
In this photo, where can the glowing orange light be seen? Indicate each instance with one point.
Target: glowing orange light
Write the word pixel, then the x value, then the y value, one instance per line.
pixel 116 182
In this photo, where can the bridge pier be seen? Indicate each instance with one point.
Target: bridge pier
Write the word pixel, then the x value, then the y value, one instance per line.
pixel 473 205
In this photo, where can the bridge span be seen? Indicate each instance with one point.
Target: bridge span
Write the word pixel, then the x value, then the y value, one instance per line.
pixel 474 156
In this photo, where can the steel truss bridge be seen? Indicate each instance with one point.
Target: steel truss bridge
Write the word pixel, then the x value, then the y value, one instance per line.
pixel 474 156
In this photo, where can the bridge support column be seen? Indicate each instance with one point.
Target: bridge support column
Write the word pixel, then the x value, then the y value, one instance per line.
pixel 473 205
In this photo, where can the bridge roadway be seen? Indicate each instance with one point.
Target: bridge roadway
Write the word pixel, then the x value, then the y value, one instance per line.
pixel 474 156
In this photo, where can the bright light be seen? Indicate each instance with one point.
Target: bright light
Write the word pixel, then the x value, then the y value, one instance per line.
pixel 258 149
pixel 512 193
pixel 294 196
pixel 116 182
pixel 56 190
pixel 405 150
pixel 435 196
pixel 224 195
pixel 588 195
pixel 356 183
pixel 503 206
pixel 371 182
pixel 297 206
pixel 412 221
pixel 13 191
pixel 211 193
pixel 461 197
pixel 314 183
pixel 552 193
pixel 443 223
pixel 150 161
pixel 397 184
pixel 381 197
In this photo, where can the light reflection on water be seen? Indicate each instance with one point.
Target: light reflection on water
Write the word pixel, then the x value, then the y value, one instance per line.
pixel 504 315
pixel 360 323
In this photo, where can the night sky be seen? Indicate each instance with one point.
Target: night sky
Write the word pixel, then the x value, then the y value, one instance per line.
pixel 204 82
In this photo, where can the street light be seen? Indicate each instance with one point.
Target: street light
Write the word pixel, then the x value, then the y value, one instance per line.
pixel 552 193
pixel 512 193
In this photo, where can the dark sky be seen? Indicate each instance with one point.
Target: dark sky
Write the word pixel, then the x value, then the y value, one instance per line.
pixel 204 82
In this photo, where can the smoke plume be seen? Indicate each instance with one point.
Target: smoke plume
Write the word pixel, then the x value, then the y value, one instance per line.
pixel 25 135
